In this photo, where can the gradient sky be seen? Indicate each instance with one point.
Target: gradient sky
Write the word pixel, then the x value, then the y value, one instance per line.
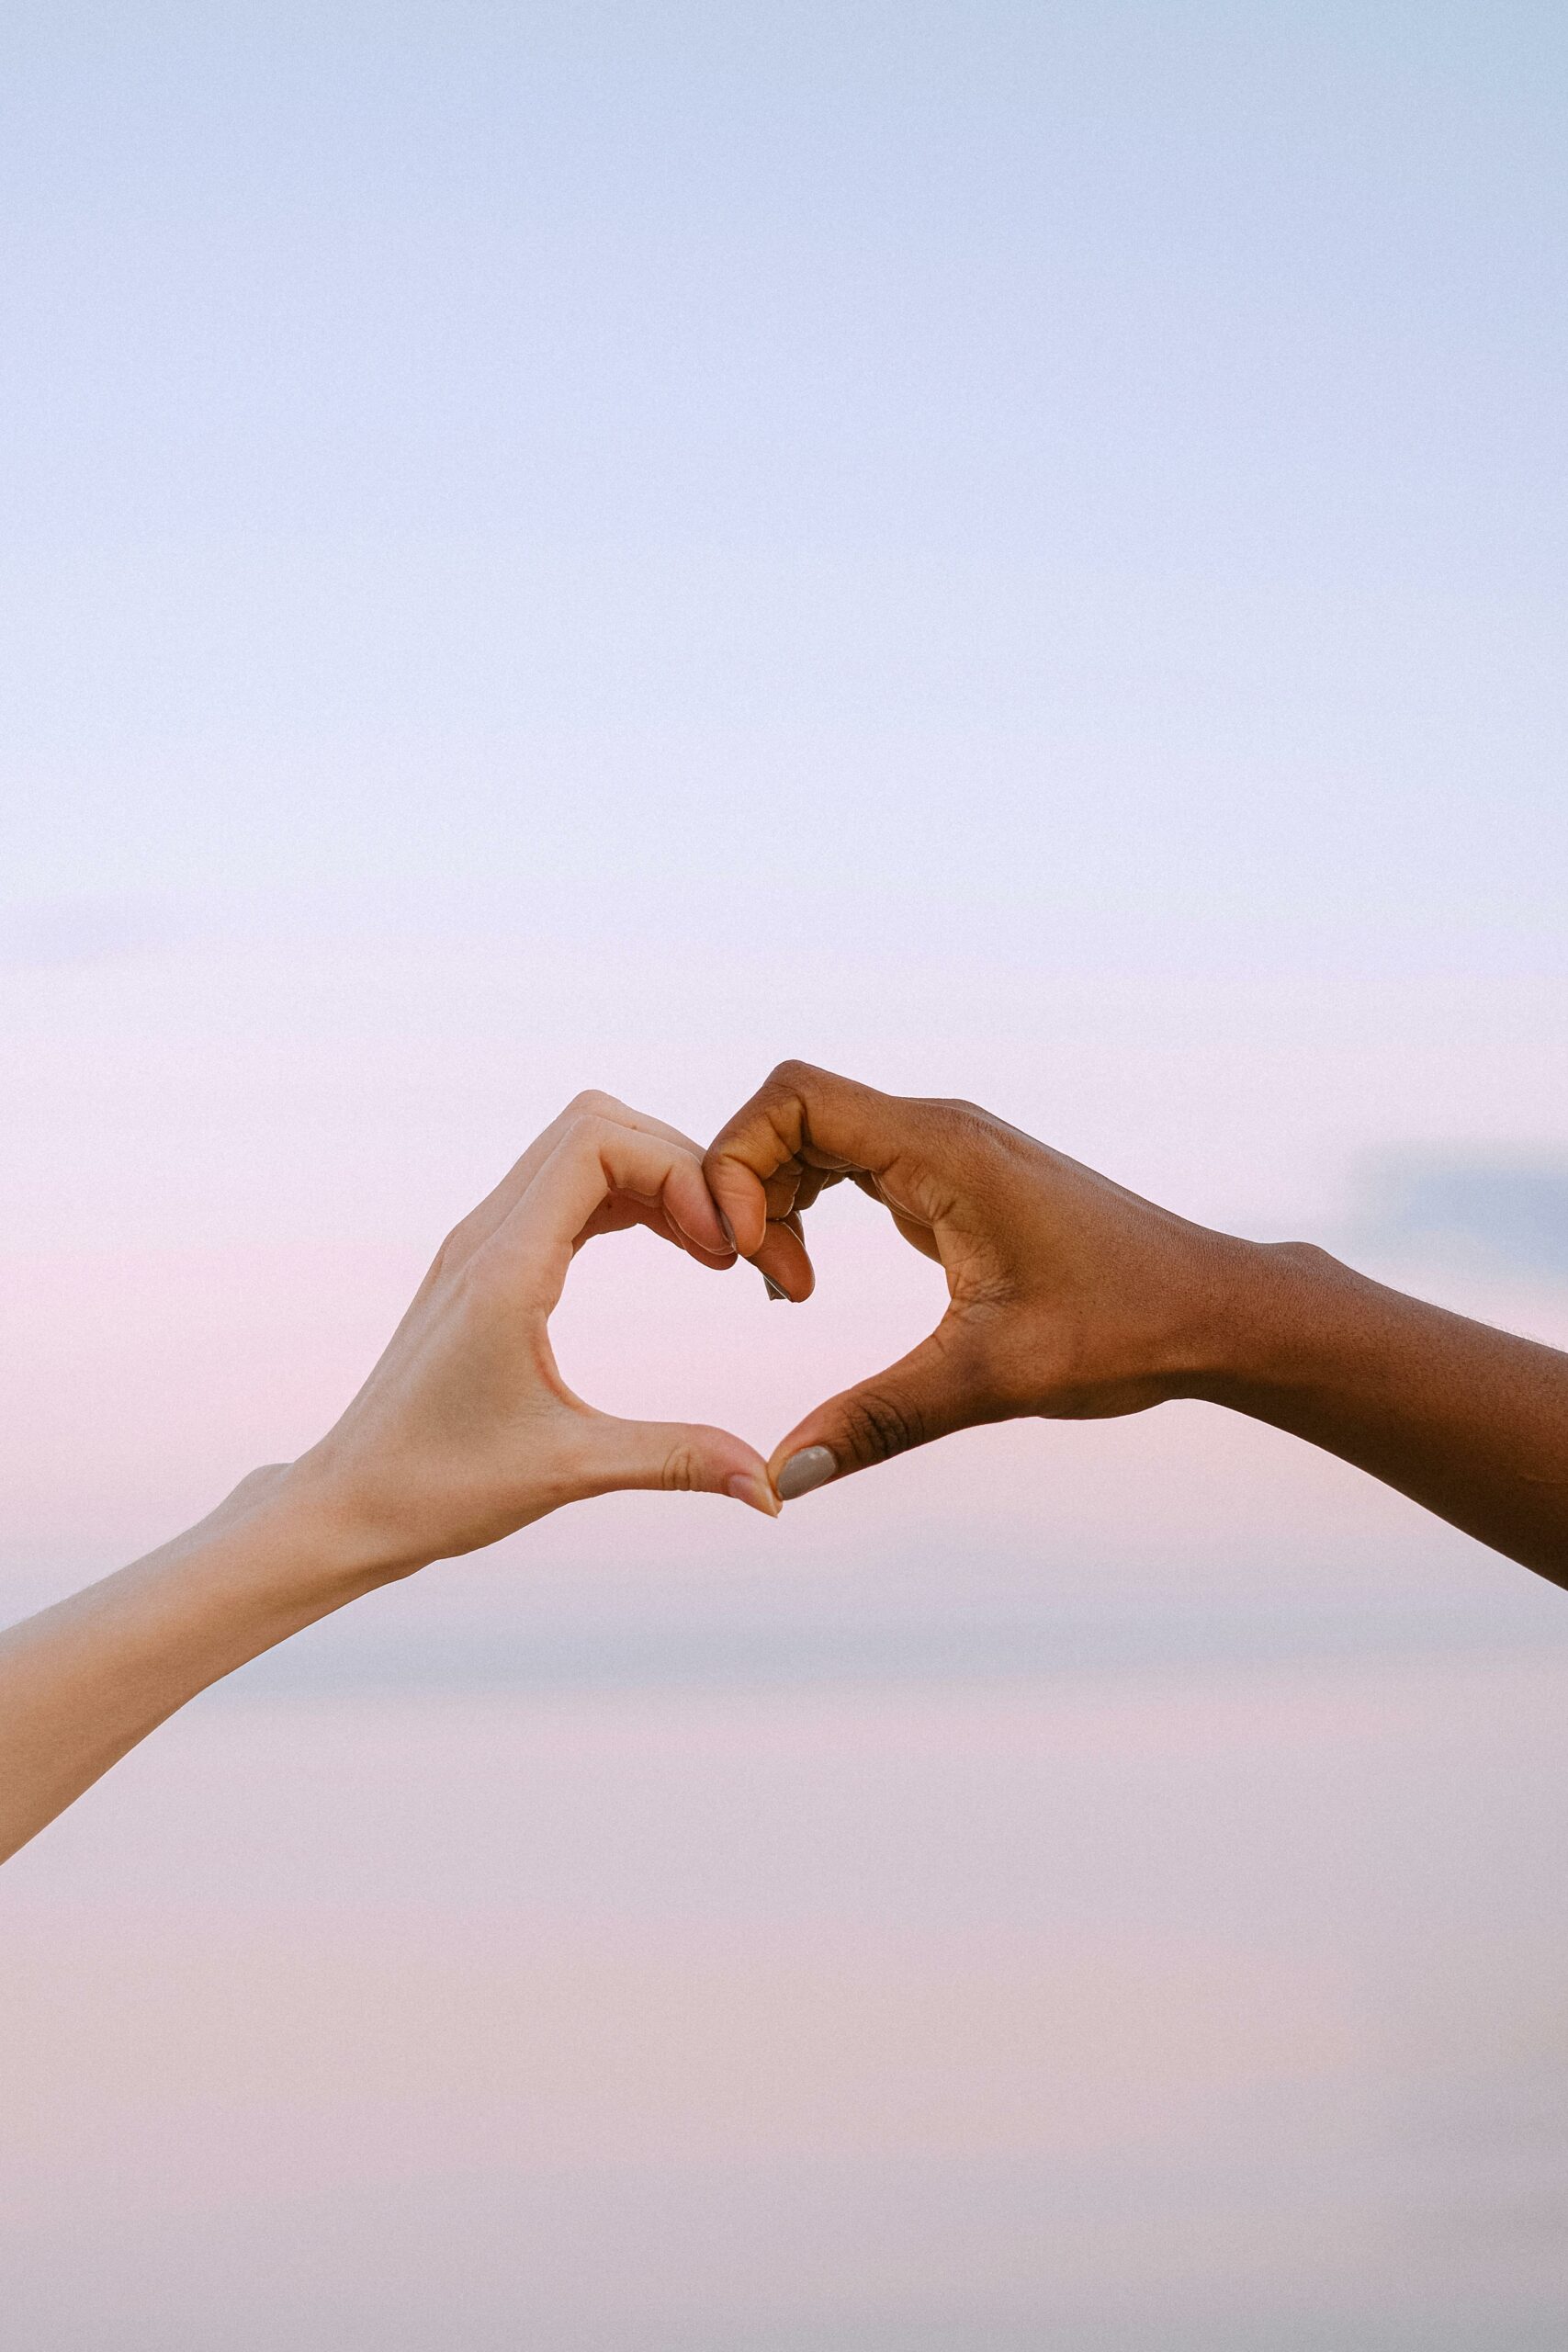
pixel 1014 550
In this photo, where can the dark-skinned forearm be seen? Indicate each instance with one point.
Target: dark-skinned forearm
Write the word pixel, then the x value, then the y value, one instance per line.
pixel 1469 1422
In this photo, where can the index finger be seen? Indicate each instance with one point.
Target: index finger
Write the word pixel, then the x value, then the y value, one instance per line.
pixel 490 1213
pixel 772 1155
pixel 595 1158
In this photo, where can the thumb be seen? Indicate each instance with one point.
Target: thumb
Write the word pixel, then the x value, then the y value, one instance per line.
pixel 678 1457
pixel 926 1394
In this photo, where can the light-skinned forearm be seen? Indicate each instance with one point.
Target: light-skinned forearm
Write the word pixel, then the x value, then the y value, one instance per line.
pixel 82 1682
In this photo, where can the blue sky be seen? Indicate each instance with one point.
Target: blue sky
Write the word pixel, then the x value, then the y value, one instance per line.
pixel 1089 479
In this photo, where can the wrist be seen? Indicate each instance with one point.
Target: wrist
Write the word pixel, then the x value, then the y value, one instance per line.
pixel 1268 1316
pixel 298 1524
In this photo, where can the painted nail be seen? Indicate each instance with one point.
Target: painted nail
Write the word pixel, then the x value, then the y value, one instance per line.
pixel 746 1487
pixel 813 1466
pixel 775 1290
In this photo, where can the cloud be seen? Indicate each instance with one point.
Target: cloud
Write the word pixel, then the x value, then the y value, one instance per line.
pixel 1498 1208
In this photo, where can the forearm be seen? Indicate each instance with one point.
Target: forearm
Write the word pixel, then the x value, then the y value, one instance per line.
pixel 82 1682
pixel 1469 1422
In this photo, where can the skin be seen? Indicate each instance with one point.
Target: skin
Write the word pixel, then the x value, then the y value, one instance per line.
pixel 1073 1299
pixel 1068 1297
pixel 464 1431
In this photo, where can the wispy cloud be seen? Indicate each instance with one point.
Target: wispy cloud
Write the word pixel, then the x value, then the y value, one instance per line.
pixel 1506 1209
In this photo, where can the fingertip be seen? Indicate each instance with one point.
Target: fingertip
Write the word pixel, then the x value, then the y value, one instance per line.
pixel 751 1486
pixel 691 1207
pixel 717 1258
pixel 738 1202
pixel 804 1470
pixel 784 1262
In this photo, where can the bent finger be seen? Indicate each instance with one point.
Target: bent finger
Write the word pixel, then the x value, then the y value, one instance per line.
pixel 596 1162
pixel 805 1125
pixel 488 1215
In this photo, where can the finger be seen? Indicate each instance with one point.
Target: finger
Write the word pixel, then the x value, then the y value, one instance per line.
pixel 783 1259
pixel 488 1214
pixel 926 1394
pixel 620 1212
pixel 802 1123
pixel 623 1210
pixel 596 1160
pixel 676 1457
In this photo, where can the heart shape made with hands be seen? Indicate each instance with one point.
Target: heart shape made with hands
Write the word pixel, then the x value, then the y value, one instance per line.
pixel 1051 1276
pixel 745 1198
pixel 601 1167
pixel 639 1330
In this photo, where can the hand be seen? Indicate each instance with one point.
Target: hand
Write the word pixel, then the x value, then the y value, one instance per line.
pixel 1068 1295
pixel 466 1430
pixel 1070 1298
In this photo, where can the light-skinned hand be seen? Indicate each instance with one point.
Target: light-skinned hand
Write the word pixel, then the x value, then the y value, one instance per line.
pixel 465 1429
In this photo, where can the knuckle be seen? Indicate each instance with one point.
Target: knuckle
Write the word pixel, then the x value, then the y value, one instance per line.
pixel 254 1481
pixel 963 1118
pixel 592 1103
pixel 877 1426
pixel 679 1476
pixel 455 1247
pixel 587 1130
pixel 789 1077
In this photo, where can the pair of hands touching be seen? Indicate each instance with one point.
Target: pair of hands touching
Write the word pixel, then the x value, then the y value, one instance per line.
pixel 1067 1297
